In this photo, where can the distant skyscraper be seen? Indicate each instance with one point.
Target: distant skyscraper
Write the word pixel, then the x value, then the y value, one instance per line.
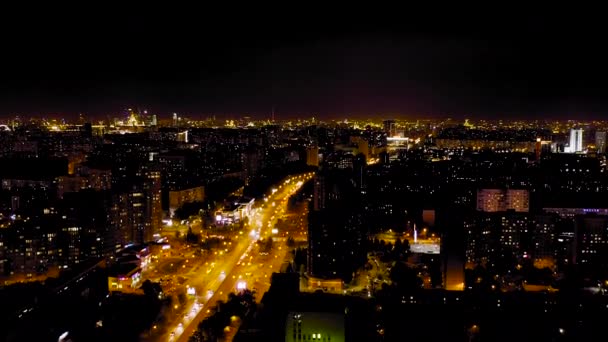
pixel 312 156
pixel 87 130
pixel 600 141
pixel 15 200
pixel 576 140
pixel 390 128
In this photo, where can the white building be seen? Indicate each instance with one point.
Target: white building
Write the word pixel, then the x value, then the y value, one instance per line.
pixel 576 141
pixel 235 211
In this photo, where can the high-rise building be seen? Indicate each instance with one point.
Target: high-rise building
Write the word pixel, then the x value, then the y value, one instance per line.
pixel 490 237
pixel 513 229
pixel 600 141
pixel 252 161
pixel 495 236
pixel 29 247
pixel 99 179
pixel 87 231
pixel 591 240
pixel 576 141
pixel 131 215
pixel 335 242
pixel 173 169
pixel 319 195
pixel 72 247
pixel 312 156
pixel 496 200
pixel 341 160
pixel 564 248
pixel 86 178
pixel 154 205
pixel 335 236
pixel 70 184
pixel 543 228
pixel 479 240
pixel 390 128
pixel 491 200
pixel 15 203
pixel 454 274
pixel 518 200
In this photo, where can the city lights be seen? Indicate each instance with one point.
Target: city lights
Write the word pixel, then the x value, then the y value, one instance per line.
pixel 362 210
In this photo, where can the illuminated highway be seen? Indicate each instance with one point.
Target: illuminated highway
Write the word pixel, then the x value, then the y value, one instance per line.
pixel 243 264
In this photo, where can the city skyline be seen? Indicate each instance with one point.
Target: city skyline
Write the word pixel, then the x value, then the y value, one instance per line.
pixel 184 218
pixel 303 174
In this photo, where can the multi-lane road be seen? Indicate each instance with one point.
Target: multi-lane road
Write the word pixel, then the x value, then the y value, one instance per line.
pixel 242 265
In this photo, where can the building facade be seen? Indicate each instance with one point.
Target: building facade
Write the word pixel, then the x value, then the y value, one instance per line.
pixel 575 141
pixel 600 141
pixel 497 200
pixel 177 198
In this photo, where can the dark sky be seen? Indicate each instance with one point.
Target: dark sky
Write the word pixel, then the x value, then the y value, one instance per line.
pixel 386 62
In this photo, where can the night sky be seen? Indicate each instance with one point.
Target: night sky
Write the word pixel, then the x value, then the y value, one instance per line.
pixel 390 62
